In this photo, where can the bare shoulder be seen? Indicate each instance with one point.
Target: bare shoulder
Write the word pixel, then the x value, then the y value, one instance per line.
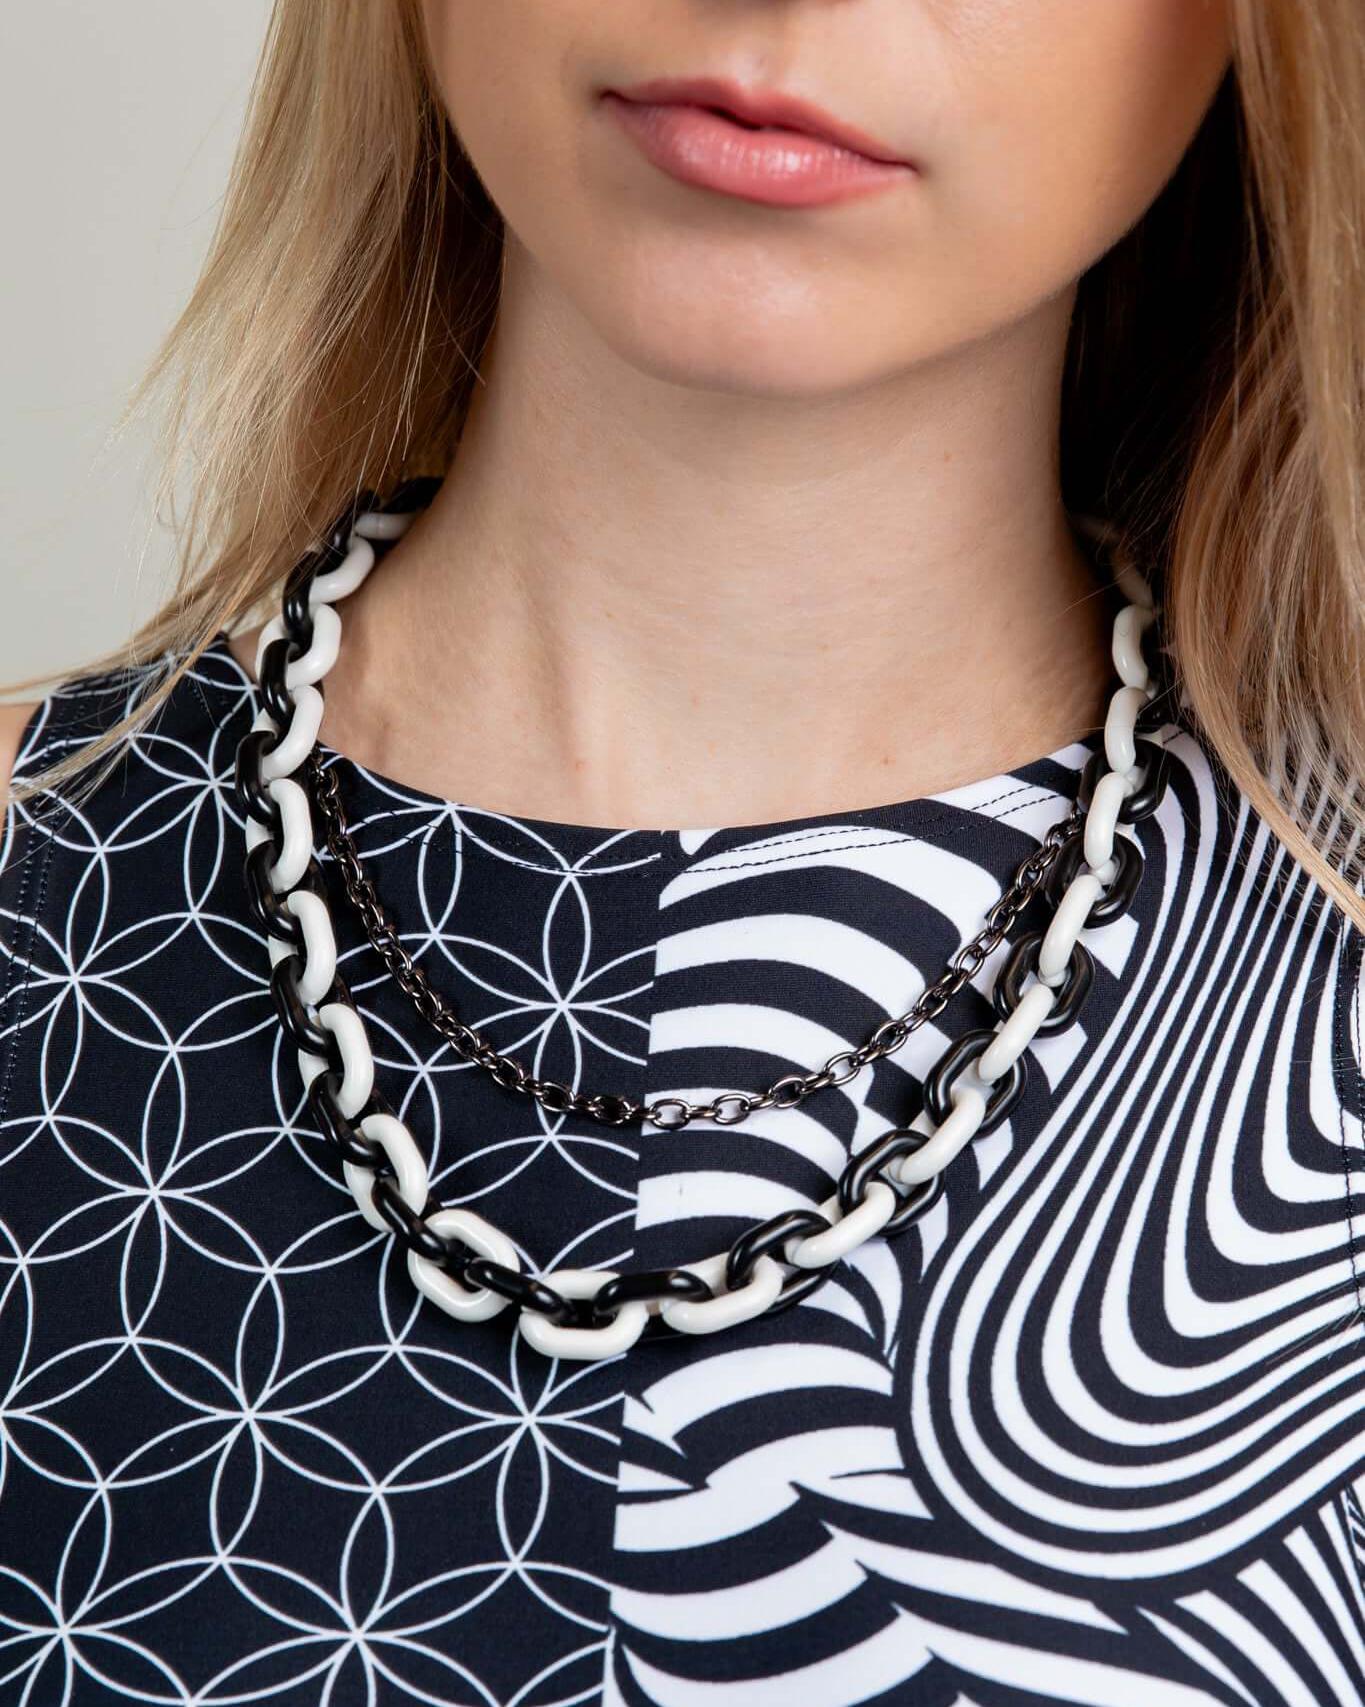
pixel 13 720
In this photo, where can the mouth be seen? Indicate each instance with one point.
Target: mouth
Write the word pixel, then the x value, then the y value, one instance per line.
pixel 761 145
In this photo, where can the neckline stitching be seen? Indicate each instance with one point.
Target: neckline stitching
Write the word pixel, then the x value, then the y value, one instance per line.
pixel 668 850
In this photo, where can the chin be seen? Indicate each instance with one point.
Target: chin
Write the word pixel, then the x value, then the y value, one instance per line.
pixel 759 346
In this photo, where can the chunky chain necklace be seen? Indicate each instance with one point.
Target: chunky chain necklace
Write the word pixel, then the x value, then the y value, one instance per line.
pixel 462 1262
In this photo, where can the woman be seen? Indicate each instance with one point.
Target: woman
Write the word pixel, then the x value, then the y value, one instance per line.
pixel 890 1233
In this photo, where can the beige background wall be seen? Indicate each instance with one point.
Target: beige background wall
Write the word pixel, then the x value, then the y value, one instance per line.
pixel 116 131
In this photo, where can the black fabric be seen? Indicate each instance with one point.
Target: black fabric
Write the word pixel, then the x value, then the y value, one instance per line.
pixel 1090 1433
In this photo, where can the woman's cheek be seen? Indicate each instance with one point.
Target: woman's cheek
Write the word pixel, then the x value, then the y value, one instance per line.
pixel 1066 125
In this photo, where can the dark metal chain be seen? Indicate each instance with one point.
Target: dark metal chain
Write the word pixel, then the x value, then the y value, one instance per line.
pixel 667 1112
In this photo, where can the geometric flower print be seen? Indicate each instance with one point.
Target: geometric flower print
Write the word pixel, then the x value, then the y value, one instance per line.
pixel 1092 1431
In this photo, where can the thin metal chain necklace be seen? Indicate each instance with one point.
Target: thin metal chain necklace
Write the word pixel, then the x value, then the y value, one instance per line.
pixel 459 1260
pixel 670 1113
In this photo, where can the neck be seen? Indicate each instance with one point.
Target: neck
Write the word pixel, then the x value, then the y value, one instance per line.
pixel 636 602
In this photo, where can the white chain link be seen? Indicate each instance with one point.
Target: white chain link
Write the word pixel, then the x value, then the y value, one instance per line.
pixel 846 1232
pixel 556 1339
pixel 728 1308
pixel 443 1289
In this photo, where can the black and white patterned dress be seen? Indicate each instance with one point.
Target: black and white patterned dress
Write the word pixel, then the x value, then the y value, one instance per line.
pixel 1092 1432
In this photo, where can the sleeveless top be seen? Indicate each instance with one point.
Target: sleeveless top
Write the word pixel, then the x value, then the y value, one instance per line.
pixel 1093 1431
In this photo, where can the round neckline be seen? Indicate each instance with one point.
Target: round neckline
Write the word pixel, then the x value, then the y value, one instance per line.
pixel 992 796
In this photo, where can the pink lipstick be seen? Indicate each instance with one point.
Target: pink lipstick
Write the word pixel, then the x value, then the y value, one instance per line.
pixel 761 145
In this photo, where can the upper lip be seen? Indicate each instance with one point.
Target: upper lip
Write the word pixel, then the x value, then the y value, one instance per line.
pixel 761 106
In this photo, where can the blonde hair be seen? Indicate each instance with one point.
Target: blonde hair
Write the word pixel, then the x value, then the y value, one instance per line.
pixel 1212 412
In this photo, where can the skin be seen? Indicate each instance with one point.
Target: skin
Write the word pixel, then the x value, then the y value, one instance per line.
pixel 757 510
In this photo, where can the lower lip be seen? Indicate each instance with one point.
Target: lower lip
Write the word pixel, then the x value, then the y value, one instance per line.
pixel 783 168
